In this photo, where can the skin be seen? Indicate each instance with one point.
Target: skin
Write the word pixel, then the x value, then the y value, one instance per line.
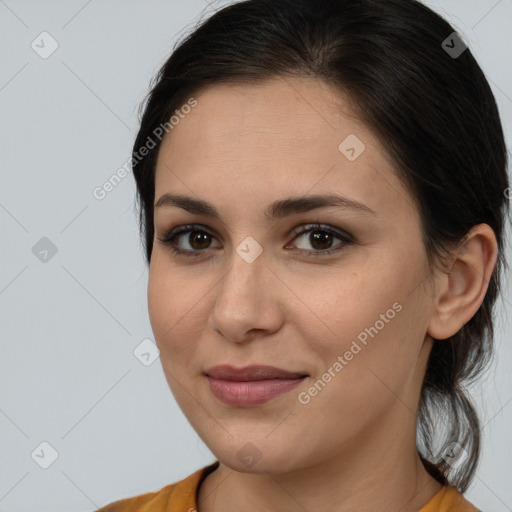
pixel 352 447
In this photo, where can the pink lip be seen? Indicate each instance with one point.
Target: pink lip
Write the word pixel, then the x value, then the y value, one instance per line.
pixel 252 385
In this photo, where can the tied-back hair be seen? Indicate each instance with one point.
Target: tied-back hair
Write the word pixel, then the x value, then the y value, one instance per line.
pixel 434 113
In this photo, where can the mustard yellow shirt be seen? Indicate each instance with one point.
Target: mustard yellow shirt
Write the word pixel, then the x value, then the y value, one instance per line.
pixel 182 497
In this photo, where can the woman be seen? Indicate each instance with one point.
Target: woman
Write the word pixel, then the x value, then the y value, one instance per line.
pixel 323 193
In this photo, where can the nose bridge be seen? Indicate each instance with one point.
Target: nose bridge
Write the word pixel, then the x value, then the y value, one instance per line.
pixel 241 297
pixel 245 270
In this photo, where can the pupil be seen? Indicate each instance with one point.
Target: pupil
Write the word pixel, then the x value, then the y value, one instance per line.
pixel 320 236
pixel 197 237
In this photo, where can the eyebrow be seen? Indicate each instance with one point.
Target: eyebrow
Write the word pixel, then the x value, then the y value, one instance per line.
pixel 276 210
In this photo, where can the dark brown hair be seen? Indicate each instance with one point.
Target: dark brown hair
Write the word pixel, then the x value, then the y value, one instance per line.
pixel 433 112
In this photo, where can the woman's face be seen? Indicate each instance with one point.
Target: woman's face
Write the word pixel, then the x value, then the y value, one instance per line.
pixel 261 289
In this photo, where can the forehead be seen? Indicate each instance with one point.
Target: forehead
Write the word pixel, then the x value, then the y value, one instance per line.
pixel 277 113
pixel 281 135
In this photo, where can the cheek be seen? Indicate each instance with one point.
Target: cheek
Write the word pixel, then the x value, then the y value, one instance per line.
pixel 370 378
pixel 370 319
pixel 176 305
pixel 160 293
pixel 166 300
pixel 340 306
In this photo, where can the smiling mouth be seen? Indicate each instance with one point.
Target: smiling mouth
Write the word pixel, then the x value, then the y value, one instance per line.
pixel 251 393
pixel 252 385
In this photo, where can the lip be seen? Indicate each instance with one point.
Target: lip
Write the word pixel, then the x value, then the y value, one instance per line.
pixel 250 373
pixel 252 385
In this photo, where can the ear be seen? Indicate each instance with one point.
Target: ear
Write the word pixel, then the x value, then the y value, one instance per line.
pixel 461 290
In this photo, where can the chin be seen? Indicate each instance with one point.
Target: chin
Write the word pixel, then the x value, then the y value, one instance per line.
pixel 250 458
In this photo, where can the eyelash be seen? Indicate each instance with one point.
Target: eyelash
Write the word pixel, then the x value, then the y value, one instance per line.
pixel 168 239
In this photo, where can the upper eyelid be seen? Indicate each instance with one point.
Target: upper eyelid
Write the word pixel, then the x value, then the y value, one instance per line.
pixel 311 226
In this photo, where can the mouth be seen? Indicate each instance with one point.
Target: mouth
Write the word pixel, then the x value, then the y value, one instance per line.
pixel 251 386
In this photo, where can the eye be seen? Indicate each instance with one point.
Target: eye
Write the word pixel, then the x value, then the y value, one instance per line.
pixel 321 239
pixel 199 240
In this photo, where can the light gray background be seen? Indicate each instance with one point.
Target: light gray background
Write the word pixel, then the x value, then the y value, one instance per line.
pixel 70 325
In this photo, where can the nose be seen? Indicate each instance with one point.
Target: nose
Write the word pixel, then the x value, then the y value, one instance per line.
pixel 246 303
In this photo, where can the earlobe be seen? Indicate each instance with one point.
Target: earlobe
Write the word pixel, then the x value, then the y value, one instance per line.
pixel 462 289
